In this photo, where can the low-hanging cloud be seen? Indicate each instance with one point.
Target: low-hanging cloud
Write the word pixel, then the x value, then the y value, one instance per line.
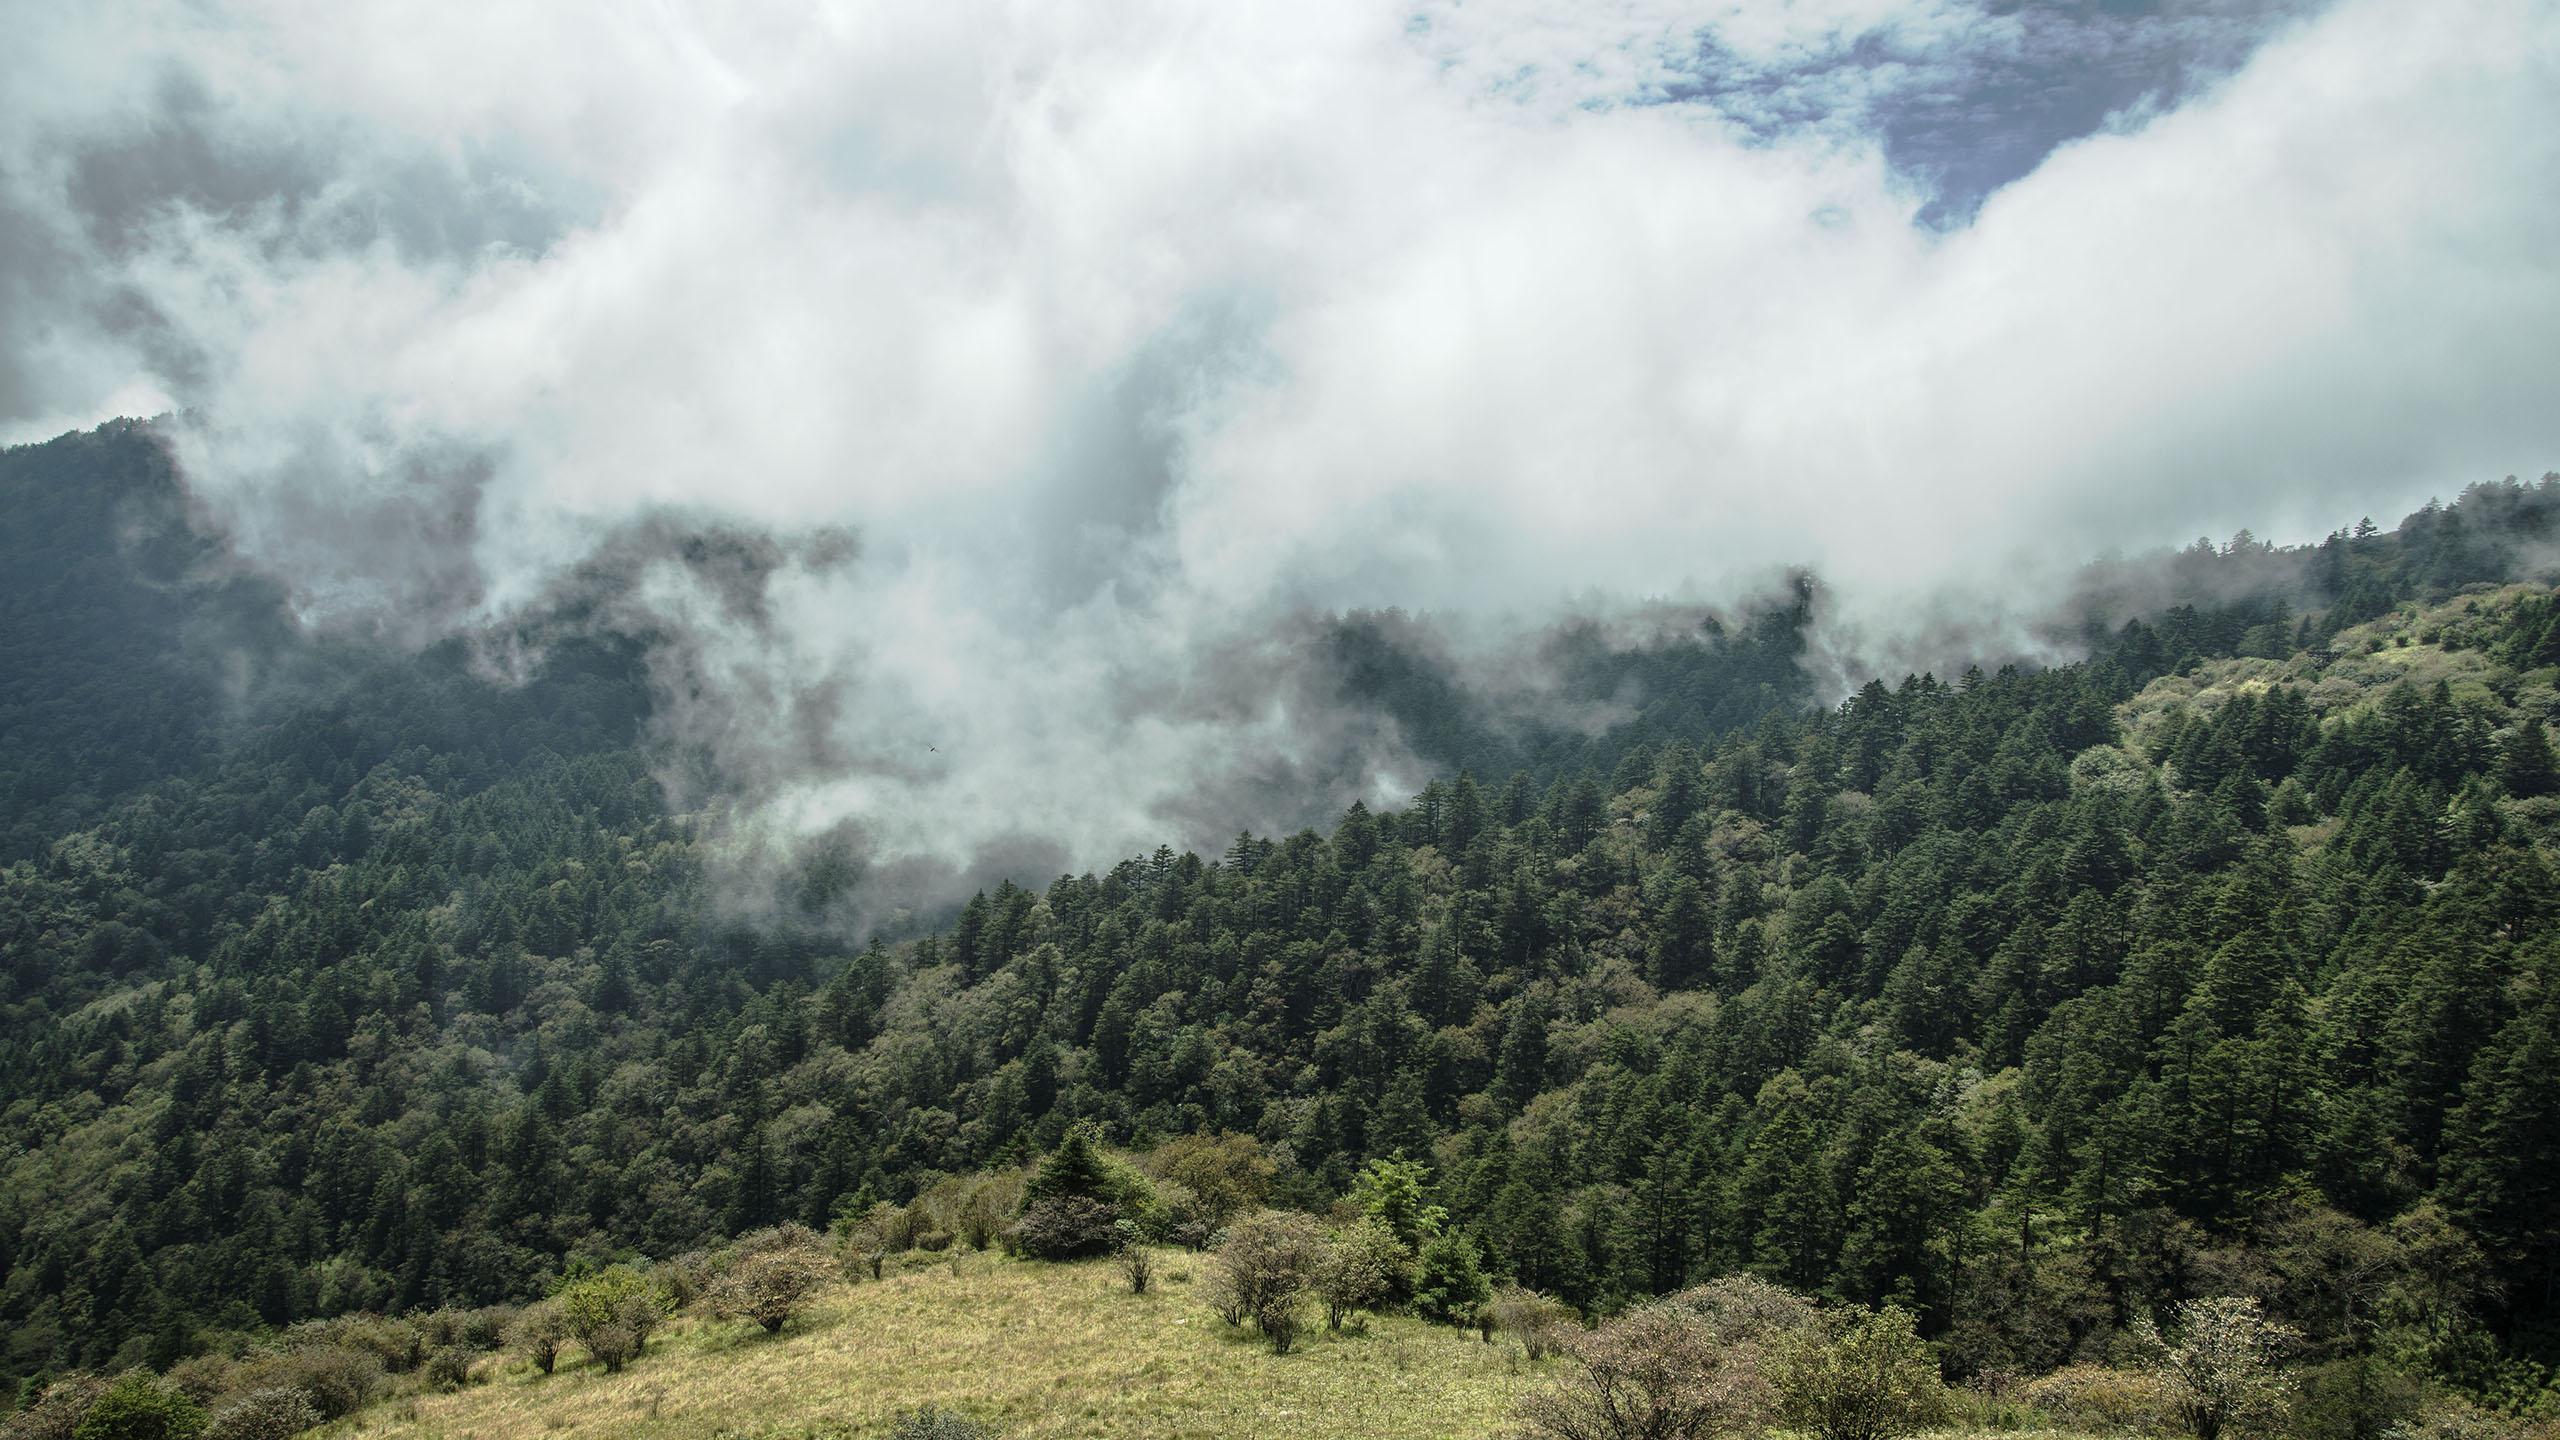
pixel 1068 356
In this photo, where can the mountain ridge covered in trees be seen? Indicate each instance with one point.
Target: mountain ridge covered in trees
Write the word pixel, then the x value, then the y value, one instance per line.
pixel 2030 1000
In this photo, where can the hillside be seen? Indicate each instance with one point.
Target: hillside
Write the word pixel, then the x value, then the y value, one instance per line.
pixel 1036 1350
pixel 2033 1001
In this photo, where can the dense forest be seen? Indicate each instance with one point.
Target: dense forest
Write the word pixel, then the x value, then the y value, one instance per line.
pixel 2224 961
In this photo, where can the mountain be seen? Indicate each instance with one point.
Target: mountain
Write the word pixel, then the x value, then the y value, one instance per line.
pixel 345 980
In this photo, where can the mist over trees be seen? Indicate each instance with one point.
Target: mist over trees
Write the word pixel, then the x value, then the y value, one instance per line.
pixel 2033 1001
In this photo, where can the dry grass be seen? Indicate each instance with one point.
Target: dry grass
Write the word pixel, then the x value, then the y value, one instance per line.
pixel 1040 1350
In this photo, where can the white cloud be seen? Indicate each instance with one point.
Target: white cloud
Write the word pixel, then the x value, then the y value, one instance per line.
pixel 1122 332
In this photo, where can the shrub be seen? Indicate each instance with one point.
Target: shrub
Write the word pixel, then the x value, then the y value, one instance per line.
pixel 1137 1265
pixel 140 1406
pixel 1992 1399
pixel 540 1329
pixel 485 1329
pixel 336 1379
pixel 941 1211
pixel 1875 1381
pixel 204 1378
pixel 1180 1217
pixel 930 1423
pixel 1280 1318
pixel 1448 1282
pixel 2360 1398
pixel 2452 1417
pixel 774 1276
pixel 448 1368
pixel 689 1276
pixel 613 1312
pixel 1072 1204
pixel 790 1235
pixel 878 1233
pixel 1539 1323
pixel 979 1217
pixel 398 1344
pixel 1746 1308
pixel 1656 1373
pixel 1358 1269
pixel 437 1328
pixel 2220 1365
pixel 1080 1166
pixel 1223 1175
pixel 274 1413
pixel 57 1411
pixel 614 1344
pixel 1266 1259
pixel 2094 1397
pixel 1220 1291
pixel 1064 1227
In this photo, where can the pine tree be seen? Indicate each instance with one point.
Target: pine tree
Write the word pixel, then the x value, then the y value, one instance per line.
pixel 2502 1154
pixel 1784 1196
pixel 1521 1071
pixel 1403 1124
pixel 1074 1169
pixel 1683 951
pixel 2525 765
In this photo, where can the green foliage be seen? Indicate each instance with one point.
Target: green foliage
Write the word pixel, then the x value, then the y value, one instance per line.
pixel 335 1380
pixel 446 1369
pixel 879 1231
pixel 1449 1283
pixel 1872 1380
pixel 1391 1191
pixel 346 984
pixel 1077 1168
pixel 1075 1202
pixel 1281 1319
pixel 1065 1227
pixel 1360 1268
pixel 613 1313
pixel 1227 1173
pixel 140 1406
pixel 1137 1262
pixel 1747 1310
pixel 2363 1397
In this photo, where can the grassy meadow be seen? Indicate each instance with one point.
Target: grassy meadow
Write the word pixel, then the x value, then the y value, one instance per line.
pixel 1040 1350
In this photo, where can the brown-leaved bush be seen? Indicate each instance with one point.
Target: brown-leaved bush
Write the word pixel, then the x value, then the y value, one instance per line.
pixel 1655 1373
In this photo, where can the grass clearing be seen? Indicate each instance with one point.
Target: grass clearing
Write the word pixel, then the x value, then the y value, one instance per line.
pixel 1040 1350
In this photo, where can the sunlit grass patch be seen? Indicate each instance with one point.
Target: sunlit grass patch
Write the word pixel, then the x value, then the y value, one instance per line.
pixel 1038 1350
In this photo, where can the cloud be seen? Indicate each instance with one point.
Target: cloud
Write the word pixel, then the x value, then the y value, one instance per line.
pixel 1121 339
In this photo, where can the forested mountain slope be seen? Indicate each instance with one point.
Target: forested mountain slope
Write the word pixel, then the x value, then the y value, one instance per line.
pixel 2029 998
pixel 114 673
